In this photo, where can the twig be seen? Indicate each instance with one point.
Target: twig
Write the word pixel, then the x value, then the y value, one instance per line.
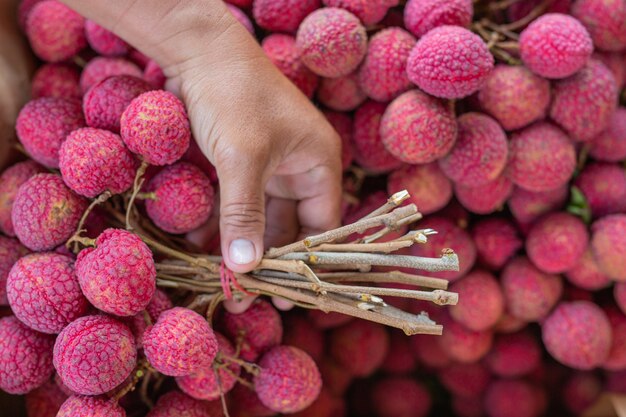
pixel 79 230
pixel 137 184
pixel 534 13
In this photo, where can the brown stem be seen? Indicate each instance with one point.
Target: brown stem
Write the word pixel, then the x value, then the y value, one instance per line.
pixel 534 13
pixel 136 188
pixel 250 368
pixel 79 230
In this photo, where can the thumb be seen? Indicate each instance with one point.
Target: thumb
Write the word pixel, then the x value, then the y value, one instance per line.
pixel 242 213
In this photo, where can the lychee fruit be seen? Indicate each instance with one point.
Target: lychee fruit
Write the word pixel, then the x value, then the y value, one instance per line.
pixel 604 188
pixel 586 273
pixel 177 404
pixel 282 15
pixel 511 398
pixel 299 333
pixel 241 17
pixel 496 240
pixel 343 125
pixel 341 93
pixel 369 12
pixel 101 68
pixel 400 396
pixel 514 355
pixel 159 303
pixel 465 379
pixel 486 198
pixel 528 206
pixel 580 391
pixel 56 80
pixel 464 345
pixel 605 20
pixel 359 346
pixel 10 182
pixel 616 360
pixel 84 406
pixel 429 188
pixel 153 74
pixel 10 251
pixel 610 144
pixel 619 293
pixel 103 41
pixel 608 243
pixel 481 303
pixel 421 16
pixel 45 401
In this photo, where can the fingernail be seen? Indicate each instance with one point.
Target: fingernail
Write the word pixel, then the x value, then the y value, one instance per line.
pixel 242 251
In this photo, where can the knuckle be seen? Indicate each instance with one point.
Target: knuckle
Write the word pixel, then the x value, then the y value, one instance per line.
pixel 246 217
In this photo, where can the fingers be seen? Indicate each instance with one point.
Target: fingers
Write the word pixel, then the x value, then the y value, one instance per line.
pixel 281 224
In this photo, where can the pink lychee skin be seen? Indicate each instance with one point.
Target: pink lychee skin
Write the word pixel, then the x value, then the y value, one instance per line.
pixel 464 345
pixel 605 20
pixel 10 181
pixel 43 124
pixel 480 152
pixel 26 357
pixel 481 302
pixel 614 61
pixel 578 334
pixel 153 75
pixel 486 198
pixel 359 346
pixel 163 347
pixel 260 325
pixel 93 161
pixel 55 32
pixel 527 206
pixel 43 292
pixel 101 68
pixel 23 10
pixel 204 384
pixel 580 391
pixel 450 62
pixel 56 80
pixel 246 403
pixel 619 293
pixel 118 276
pixel 610 144
pixel 584 103
pixel 394 397
pixel 94 354
pixel 417 128
pixel 325 321
pixel 422 16
pixel 341 93
pixel 604 187
pixel 326 405
pixel 332 42
pixel 468 406
pixel 496 240
pixel 103 41
pixel 556 242
pixel 514 96
pixel 514 355
pixel 289 380
pixel 542 158
pixel 511 398
pixel 400 359
pixel 555 46
pixel 335 378
pixel 449 235
pixel 429 188
pixel 608 243
pixel 616 361
pixel 343 125
pixel 155 126
pixel 586 273
pixel 46 212
pixel 281 50
pixel 45 401
pixel 241 18
pixel 105 101
pixel 518 9
pixel 10 251
pixel 282 15
pixel 177 404
pixel 369 151
pixel 84 406
pixel 158 304
pixel 369 12
pixel 465 379
pixel 428 352
pixel 299 333
pixel 529 294
pixel 183 198
pixel 382 75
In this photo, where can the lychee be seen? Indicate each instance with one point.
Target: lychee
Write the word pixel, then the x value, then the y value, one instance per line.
pixel 465 379
pixel 153 74
pixel 56 80
pixel 586 273
pixel 341 93
pixel 359 346
pixel 241 17
pixel 619 293
pixel 481 302
pixel 580 391
pixel 464 345
pixel 429 188
pixel 282 15
pixel 514 355
pixel 45 401
pixel 608 243
pixel 343 125
pixel 299 333
pixel 369 12
pixel 511 398
pixel 103 41
pixel 616 360
pixel 177 404
pixel 496 240
pixel 10 182
pixel 84 406
pixel 400 359
pixel 527 206
pixel 604 188
pixel 101 68
pixel 421 16
pixel 605 20
pixel 610 144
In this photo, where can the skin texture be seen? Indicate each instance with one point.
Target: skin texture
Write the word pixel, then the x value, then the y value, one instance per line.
pixel 496 240
pixel 429 188
pixel 177 404
pixel 420 16
pixel 45 401
pixel 605 20
pixel 282 15
pixel 610 144
pixel 608 243
pixel 10 181
pixel 102 67
pixel 527 206
pixel 464 345
pixel 367 11
pixel 10 251
pixel 604 188
pixel 56 80
pixel 159 303
pixel 482 302
pixel 586 273
pixel 486 198
pixel 90 407
pixel 103 41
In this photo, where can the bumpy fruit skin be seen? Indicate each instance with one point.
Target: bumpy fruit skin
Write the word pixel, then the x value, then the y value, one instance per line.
pixel 332 42
pixel 153 75
pixel 282 15
pixel 480 152
pixel 496 240
pixel 158 304
pixel 343 125
pixel 94 354
pixel 93 161
pixel 464 345
pixel 56 80
pixel 104 103
pixel 529 294
pixel 26 357
pixel 183 198
pixel 10 251
pixel 578 334
pixel 604 187
pixel 46 212
pixel 465 379
pixel 43 124
pixel 616 361
pixel 103 41
pixel 246 403
pixel 586 273
pixel 341 93
pixel 289 380
pixel 486 198
pixel 393 397
pixel 542 157
pixel 614 61
pixel 556 242
pixel 511 398
pixel 584 103
pixel 281 50
pixel 382 75
pixel 369 151
pixel 79 405
pixel 260 325
pixel 177 404
pixel 180 342
pixel 605 20
pixel 520 9
pixel 155 126
pixel 514 96
pixel 421 16
pixel 370 12
pixel 482 302
pixel 55 32
pixel 417 128
pixel 555 46
pixel 527 206
pixel 514 355
pixel 204 384
pixel 10 182
pixel 101 68
pixel 359 346
pixel 118 276
pixel 43 292
pixel 23 10
pixel 450 62
pixel 608 243
pixel 45 401
pixel 610 144
pixel 429 188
